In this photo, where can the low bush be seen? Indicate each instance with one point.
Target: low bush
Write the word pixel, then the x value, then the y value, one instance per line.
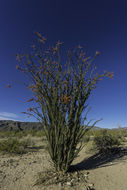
pixel 13 145
pixel 39 133
pixel 20 134
pixel 105 142
pixel 86 139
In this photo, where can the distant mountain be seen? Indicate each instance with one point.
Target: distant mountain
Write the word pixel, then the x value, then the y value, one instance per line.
pixel 122 128
pixel 97 128
pixel 9 125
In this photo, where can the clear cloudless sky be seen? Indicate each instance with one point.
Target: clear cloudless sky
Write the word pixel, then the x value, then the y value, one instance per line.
pixel 95 25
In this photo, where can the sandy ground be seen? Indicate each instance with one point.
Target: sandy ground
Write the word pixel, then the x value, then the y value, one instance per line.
pixel 20 172
pixel 106 172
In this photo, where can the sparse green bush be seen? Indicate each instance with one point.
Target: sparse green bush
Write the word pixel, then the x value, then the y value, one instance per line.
pixel 39 133
pixel 86 138
pixel 20 134
pixel 120 133
pixel 4 134
pixel 106 142
pixel 13 146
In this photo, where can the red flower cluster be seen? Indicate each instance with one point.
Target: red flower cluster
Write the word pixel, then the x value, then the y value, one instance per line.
pixel 31 99
pixel 65 99
pixel 111 75
pixel 30 109
pixel 8 86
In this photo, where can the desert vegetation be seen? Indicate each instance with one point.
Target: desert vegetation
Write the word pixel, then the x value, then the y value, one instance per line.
pixel 24 144
pixel 102 140
pixel 61 95
pixel 59 101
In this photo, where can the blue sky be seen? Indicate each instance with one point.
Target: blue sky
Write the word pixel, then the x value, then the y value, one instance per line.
pixel 95 25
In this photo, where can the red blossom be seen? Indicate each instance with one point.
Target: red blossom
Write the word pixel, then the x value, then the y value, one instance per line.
pixel 8 86
pixel 65 99
pixel 54 50
pixel 111 75
pixel 30 109
pixel 31 99
pixel 38 34
pixel 24 112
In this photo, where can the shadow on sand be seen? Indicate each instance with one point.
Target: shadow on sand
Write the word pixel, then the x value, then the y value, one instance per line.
pixel 101 160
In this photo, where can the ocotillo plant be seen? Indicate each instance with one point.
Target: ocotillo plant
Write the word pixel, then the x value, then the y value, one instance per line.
pixel 60 92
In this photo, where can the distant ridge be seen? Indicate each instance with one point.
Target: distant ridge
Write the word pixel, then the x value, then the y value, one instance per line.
pixel 9 125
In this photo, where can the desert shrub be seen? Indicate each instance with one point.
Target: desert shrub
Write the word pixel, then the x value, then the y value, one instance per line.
pixel 13 145
pixel 4 134
pixel 106 142
pixel 35 133
pixel 86 138
pixel 60 93
pixel 120 133
pixel 18 134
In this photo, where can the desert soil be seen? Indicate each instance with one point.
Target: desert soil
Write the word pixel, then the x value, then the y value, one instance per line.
pixel 19 172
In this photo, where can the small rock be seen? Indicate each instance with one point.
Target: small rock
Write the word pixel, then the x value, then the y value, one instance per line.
pixel 69 183
pixel 91 186
pixel 56 178
pixel 86 176
pixel 72 180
